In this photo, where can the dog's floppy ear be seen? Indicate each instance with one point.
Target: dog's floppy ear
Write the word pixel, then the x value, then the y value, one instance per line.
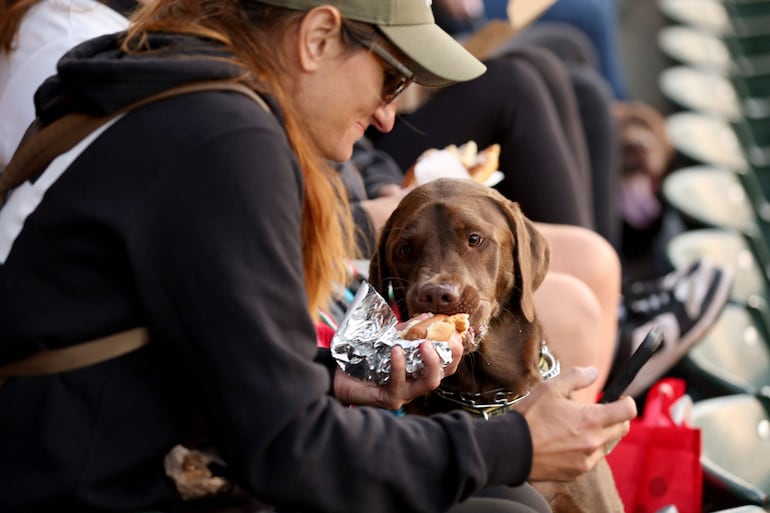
pixel 531 257
pixel 380 272
pixel 378 265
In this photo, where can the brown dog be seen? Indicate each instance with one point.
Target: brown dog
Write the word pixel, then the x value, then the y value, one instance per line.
pixel 456 246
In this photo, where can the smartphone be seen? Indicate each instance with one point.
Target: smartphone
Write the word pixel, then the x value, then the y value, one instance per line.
pixel 649 346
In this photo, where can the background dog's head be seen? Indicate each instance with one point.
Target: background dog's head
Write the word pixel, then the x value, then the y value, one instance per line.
pixel 456 246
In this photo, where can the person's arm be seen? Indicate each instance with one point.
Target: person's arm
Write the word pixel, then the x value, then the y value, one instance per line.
pixel 372 181
pixel 381 175
pixel 374 191
pixel 367 225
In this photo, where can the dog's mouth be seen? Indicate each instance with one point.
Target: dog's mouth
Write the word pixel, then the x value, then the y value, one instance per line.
pixel 478 314
pixel 473 336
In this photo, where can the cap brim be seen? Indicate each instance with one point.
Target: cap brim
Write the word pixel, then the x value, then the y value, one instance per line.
pixel 440 59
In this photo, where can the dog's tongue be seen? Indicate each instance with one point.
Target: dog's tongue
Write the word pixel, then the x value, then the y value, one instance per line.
pixel 471 339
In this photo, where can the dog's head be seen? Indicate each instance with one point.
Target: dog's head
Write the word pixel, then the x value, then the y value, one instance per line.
pixel 456 246
pixel 647 149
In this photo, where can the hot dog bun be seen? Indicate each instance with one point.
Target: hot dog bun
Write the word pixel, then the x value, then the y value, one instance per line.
pixel 438 327
pixel 409 177
pixel 487 161
pixel 479 164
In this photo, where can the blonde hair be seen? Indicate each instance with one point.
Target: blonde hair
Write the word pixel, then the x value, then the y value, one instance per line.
pixel 250 30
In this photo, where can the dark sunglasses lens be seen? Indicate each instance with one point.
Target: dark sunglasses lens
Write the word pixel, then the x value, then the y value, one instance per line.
pixel 393 85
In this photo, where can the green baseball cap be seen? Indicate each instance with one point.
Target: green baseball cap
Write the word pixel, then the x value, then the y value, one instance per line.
pixel 438 58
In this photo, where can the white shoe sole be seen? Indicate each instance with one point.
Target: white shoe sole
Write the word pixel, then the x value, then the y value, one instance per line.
pixel 671 354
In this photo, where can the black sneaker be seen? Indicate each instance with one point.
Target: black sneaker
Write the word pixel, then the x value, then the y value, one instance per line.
pixel 684 303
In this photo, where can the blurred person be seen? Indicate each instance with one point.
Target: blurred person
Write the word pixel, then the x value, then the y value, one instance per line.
pixel 34 34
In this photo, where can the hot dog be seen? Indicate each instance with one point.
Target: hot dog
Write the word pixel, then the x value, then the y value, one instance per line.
pixel 486 163
pixel 438 327
pixel 479 164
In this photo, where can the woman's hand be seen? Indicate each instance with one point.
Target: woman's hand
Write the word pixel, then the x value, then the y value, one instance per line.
pixel 399 390
pixel 570 437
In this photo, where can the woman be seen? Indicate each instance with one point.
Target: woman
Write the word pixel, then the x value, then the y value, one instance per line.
pixel 212 222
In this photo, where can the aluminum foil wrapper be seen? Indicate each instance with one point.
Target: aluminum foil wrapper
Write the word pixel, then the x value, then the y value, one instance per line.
pixel 367 334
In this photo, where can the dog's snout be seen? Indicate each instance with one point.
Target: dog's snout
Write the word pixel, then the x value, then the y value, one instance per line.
pixel 438 297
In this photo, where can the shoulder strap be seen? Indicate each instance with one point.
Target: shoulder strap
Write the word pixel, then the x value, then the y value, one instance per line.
pixel 69 358
pixel 40 146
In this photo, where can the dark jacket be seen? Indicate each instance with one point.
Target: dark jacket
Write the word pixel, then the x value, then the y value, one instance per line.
pixel 184 216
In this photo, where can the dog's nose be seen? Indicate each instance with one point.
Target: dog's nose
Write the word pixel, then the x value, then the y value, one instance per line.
pixel 438 297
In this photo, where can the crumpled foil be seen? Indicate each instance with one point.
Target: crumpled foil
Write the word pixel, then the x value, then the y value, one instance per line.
pixel 367 334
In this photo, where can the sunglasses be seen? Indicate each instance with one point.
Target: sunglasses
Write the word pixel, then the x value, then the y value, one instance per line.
pixel 397 75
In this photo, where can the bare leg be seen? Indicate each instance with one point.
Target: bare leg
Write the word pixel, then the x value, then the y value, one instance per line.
pixel 570 315
pixel 590 259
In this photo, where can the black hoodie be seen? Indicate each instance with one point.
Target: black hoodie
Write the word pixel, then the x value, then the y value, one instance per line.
pixel 184 216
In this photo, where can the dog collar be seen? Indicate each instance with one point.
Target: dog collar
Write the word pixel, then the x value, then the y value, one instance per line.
pixel 482 404
pixel 499 401
pixel 549 366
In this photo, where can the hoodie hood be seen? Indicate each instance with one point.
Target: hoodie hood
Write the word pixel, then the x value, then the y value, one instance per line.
pixel 97 78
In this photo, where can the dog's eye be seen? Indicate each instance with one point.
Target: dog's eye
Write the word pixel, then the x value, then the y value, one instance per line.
pixel 405 251
pixel 474 239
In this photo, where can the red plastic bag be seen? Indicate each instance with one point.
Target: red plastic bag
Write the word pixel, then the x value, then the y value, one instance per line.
pixel 657 463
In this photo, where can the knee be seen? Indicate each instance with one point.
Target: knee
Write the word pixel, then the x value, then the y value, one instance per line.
pixel 583 253
pixel 570 43
pixel 540 59
pixel 568 306
pixel 594 244
pixel 512 83
pixel 513 75
pixel 593 90
pixel 586 255
pixel 603 261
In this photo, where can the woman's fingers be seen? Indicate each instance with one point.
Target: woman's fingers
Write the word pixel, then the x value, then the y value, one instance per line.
pixel 568 436
pixel 456 346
